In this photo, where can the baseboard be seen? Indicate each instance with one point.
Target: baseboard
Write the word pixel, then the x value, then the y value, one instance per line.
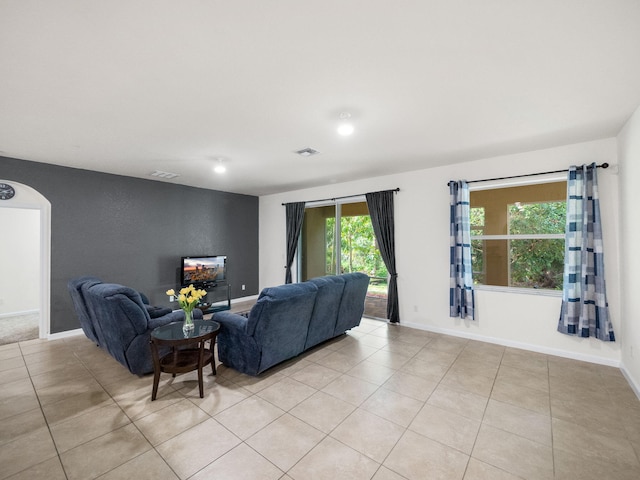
pixel 244 299
pixel 634 386
pixel 521 345
pixel 19 314
pixel 65 334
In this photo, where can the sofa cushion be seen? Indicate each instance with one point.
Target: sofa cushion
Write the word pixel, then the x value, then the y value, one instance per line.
pixel 80 304
pixel 325 311
pixel 282 328
pixel 352 302
pixel 120 316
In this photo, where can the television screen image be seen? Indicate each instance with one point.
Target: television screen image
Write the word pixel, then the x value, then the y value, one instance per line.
pixel 204 269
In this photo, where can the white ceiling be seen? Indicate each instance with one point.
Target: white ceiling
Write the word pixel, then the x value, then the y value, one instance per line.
pixel 133 86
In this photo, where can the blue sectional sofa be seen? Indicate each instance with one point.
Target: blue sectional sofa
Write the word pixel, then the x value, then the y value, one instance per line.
pixel 289 319
pixel 120 320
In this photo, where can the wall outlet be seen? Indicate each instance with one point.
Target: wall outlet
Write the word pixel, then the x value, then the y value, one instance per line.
pixel 172 298
pixel 243 287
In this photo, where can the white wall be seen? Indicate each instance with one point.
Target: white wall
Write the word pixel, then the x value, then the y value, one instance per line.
pixel 19 260
pixel 629 157
pixel 422 243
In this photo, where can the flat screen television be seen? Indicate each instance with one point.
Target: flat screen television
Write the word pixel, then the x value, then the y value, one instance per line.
pixel 203 270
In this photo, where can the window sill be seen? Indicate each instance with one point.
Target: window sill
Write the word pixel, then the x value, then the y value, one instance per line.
pixel 523 291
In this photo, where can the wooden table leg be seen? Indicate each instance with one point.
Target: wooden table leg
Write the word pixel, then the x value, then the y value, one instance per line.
pixel 156 370
pixel 200 382
pixel 156 380
pixel 200 367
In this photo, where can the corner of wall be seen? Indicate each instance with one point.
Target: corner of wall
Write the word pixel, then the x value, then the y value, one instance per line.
pixel 629 197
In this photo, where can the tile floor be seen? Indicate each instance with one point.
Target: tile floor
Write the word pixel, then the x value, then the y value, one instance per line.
pixel 383 402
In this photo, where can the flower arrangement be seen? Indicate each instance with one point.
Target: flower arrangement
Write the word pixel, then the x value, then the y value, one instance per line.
pixel 188 297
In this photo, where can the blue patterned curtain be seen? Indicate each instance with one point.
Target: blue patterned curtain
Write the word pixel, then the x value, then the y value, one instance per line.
pixel 585 311
pixel 461 296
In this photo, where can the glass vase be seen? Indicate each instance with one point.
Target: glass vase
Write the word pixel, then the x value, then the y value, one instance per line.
pixel 188 326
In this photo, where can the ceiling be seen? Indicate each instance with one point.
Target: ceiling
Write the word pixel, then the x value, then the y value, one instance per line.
pixel 133 86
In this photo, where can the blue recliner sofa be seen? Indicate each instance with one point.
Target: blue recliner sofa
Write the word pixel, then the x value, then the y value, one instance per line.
pixel 120 320
pixel 289 319
pixel 80 305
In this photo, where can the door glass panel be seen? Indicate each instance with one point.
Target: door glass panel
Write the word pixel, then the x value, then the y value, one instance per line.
pixel 356 251
pixel 318 242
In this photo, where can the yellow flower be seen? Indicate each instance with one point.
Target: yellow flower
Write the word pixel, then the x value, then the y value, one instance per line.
pixel 189 296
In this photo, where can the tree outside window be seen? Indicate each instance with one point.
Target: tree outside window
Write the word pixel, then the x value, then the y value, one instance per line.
pixel 518 236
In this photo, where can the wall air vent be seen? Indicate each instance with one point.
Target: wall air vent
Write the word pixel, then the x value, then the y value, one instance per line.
pixel 161 174
pixel 307 152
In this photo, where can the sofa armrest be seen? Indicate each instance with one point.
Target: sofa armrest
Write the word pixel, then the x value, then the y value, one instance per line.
pixel 236 349
pixel 175 316
pixel 231 320
pixel 155 312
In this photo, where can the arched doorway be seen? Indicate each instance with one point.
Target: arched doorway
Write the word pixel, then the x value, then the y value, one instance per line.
pixel 28 198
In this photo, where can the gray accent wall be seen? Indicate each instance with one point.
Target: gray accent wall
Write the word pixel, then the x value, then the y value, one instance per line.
pixel 133 231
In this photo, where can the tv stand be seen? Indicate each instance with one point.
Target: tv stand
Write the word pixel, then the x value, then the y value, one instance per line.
pixel 218 297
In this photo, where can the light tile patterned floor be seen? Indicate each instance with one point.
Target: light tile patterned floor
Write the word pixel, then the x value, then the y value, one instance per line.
pixel 382 402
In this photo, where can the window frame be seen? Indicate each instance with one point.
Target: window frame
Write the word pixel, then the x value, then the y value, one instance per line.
pixel 517 182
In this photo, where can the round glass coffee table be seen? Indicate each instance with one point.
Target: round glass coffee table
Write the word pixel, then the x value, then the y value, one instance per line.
pixel 187 352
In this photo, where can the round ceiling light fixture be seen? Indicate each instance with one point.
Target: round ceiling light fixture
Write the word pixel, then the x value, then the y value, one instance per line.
pixel 346 127
pixel 219 168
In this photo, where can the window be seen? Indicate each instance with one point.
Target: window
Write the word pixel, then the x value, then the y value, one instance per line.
pixel 517 236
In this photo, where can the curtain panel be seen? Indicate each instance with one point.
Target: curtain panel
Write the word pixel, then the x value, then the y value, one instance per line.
pixel 461 294
pixel 294 217
pixel 585 311
pixel 381 211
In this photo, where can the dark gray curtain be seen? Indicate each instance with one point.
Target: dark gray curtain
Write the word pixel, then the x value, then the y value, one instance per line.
pixel 295 215
pixel 381 211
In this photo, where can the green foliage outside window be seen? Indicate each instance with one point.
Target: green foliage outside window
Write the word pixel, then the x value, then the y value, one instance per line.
pixel 537 218
pixel 533 263
pixel 537 263
pixel 476 217
pixel 359 252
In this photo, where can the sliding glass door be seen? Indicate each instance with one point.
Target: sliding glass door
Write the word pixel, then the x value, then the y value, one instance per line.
pixel 339 237
pixel 318 250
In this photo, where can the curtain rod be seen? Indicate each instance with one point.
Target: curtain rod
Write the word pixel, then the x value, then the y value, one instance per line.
pixel 345 196
pixel 604 165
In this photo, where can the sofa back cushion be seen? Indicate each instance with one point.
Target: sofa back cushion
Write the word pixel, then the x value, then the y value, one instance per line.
pixel 120 315
pixel 80 304
pixel 352 303
pixel 279 321
pixel 325 311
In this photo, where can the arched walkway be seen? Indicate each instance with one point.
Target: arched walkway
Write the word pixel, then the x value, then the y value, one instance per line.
pixel 29 198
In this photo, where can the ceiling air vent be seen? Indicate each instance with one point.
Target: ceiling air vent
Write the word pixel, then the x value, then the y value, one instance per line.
pixel 161 174
pixel 307 152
